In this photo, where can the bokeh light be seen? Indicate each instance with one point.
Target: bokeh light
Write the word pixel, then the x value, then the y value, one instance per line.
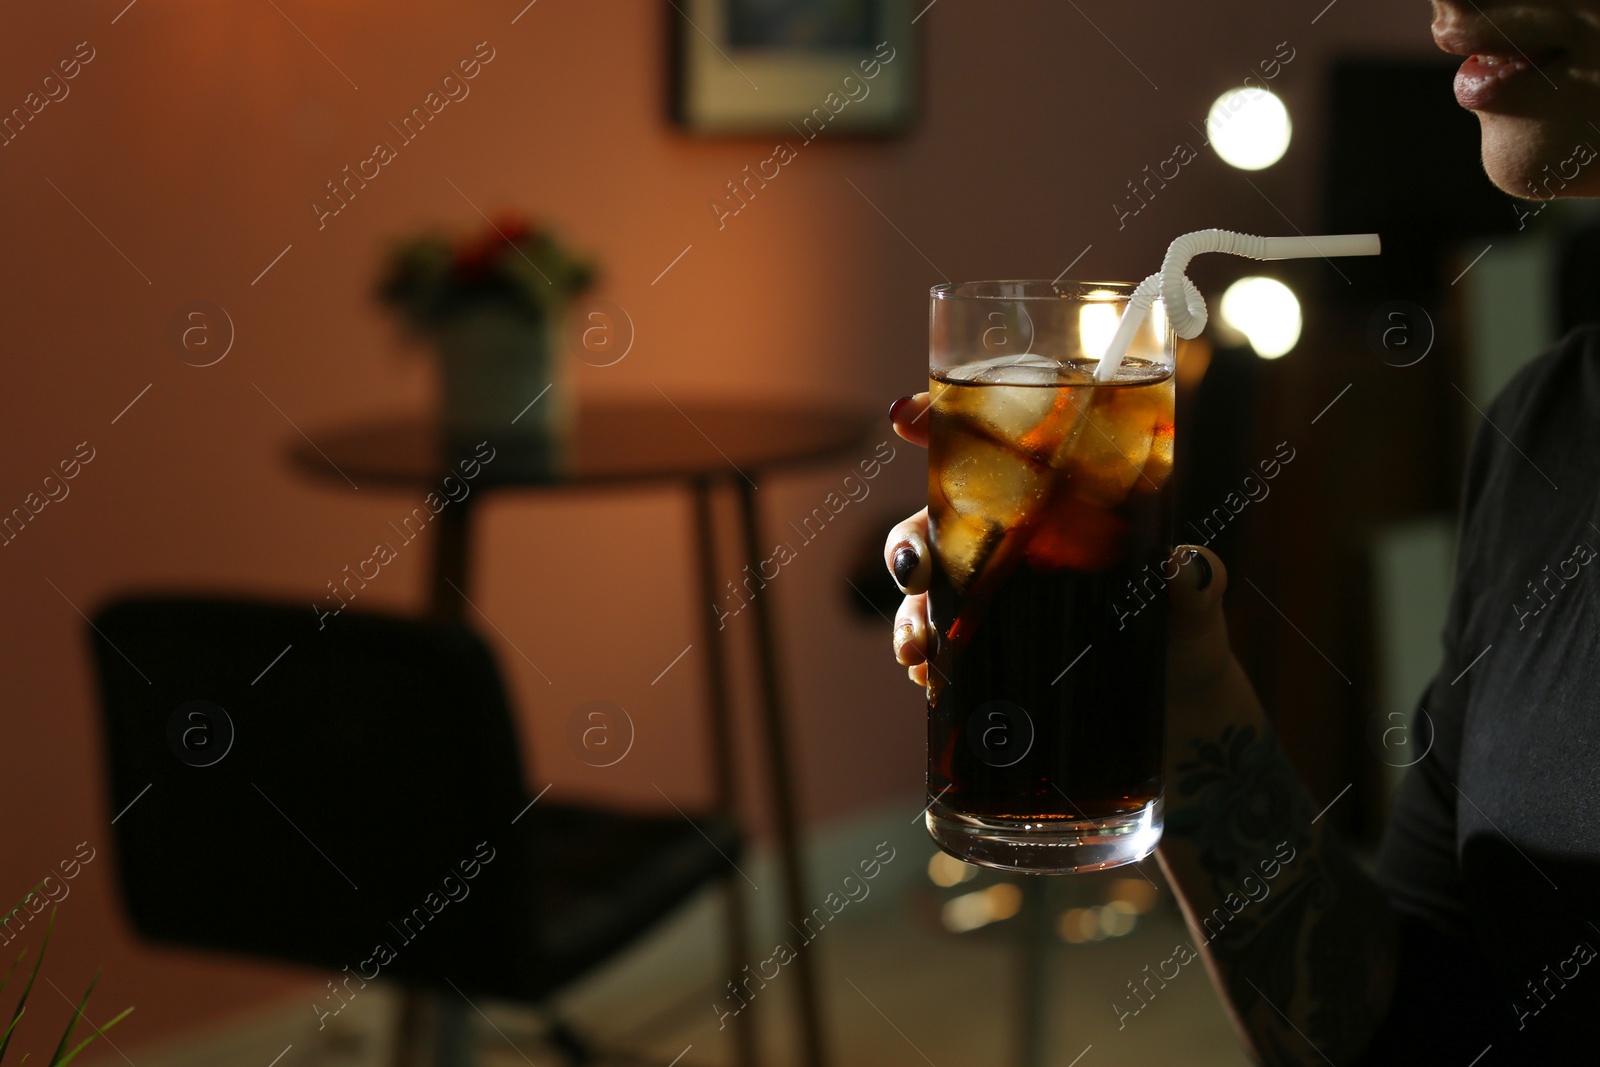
pixel 1097 324
pixel 1266 311
pixel 944 870
pixel 972 910
pixel 1248 128
pixel 1096 923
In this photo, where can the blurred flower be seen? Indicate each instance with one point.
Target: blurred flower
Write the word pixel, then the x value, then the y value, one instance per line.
pixel 512 263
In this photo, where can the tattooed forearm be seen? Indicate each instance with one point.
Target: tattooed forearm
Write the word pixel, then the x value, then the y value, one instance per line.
pixel 1300 938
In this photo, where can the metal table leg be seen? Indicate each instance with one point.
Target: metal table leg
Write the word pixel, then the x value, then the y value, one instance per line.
pixel 1035 933
pixel 435 1028
pixel 725 785
pixel 773 721
pixel 448 585
pixel 410 1045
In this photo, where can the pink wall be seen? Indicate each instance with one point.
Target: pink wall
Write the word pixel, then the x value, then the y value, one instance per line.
pixel 196 140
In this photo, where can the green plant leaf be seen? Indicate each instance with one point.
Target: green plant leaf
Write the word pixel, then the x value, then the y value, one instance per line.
pixel 37 962
pixel 14 963
pixel 12 969
pixel 99 1032
pixel 66 1036
pixel 29 895
pixel 14 1020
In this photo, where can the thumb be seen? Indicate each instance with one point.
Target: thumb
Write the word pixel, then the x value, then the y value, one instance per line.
pixel 1198 655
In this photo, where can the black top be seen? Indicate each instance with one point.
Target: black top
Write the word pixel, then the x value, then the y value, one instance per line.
pixel 1492 854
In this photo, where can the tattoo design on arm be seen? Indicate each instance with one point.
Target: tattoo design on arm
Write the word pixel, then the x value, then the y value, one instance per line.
pixel 1307 968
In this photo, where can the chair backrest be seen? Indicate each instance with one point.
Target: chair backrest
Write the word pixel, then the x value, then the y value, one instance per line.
pixel 370 756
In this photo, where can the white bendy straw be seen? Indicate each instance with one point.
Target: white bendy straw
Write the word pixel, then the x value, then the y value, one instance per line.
pixel 1185 307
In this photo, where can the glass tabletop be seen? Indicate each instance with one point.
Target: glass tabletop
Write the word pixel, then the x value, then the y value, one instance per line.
pixel 616 441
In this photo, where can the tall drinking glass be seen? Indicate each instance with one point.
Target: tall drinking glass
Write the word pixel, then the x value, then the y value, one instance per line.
pixel 1050 509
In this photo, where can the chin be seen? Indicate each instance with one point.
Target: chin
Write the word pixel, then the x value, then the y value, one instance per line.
pixel 1537 159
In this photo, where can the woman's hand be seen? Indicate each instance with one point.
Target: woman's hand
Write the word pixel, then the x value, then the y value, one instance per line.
pixel 1200 665
pixel 906 553
pixel 1326 921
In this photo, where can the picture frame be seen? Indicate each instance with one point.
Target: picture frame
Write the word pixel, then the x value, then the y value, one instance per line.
pixel 746 68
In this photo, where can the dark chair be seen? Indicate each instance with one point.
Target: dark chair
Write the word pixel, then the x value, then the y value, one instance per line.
pixel 309 790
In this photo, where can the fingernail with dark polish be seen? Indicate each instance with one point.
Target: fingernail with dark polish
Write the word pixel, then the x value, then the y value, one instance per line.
pixel 896 407
pixel 905 562
pixel 1205 572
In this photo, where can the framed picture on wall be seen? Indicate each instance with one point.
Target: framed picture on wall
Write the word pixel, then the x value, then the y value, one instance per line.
pixel 758 67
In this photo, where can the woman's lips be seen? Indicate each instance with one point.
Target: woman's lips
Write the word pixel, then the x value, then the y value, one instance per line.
pixel 1485 79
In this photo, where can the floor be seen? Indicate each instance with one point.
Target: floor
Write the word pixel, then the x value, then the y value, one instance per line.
pixel 899 986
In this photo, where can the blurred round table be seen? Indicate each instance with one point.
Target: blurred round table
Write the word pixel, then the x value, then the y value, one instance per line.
pixel 698 445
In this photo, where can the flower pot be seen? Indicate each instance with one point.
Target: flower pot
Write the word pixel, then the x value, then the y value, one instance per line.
pixel 504 379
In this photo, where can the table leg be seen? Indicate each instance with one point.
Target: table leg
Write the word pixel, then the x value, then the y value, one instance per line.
pixel 434 1029
pixel 725 799
pixel 447 592
pixel 1036 935
pixel 773 719
pixel 410 1026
